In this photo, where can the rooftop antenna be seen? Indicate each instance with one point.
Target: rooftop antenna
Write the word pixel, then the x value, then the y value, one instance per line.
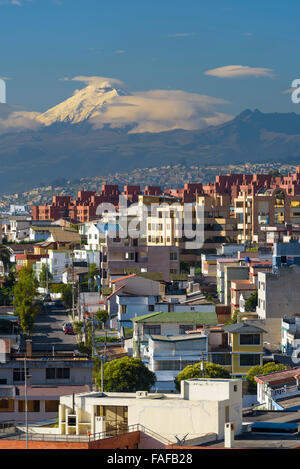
pixel 181 441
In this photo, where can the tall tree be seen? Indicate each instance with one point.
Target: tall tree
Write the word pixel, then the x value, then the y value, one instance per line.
pixel 251 302
pixel 45 276
pixel 5 258
pixel 102 317
pixel 24 291
pixel 93 271
pixel 126 374
pixel 211 370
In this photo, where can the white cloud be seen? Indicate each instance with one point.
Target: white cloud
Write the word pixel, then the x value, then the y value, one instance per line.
pixel 161 110
pixel 99 81
pixel 181 35
pixel 105 102
pixel 18 121
pixel 11 2
pixel 237 71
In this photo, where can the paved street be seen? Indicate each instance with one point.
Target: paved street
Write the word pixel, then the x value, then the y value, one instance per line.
pixel 48 331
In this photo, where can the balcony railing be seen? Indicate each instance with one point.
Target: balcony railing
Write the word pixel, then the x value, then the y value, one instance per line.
pixel 283 391
pixel 93 437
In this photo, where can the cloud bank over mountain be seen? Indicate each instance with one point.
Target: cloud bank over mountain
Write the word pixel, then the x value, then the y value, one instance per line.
pixel 106 102
pixel 14 119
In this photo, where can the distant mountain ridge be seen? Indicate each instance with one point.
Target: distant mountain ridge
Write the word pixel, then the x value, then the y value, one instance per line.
pixel 71 147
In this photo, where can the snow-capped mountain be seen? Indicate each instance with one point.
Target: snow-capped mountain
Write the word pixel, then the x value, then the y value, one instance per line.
pixel 83 105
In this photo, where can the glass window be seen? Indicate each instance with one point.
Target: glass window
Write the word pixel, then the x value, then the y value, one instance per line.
pixel 185 327
pixel 249 339
pixel 51 406
pixel 150 330
pixel 57 373
pixel 32 406
pixel 6 405
pixel 18 374
pixel 250 359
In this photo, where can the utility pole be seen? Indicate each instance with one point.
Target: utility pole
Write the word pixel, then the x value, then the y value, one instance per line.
pixel 102 373
pixel 26 394
pixel 26 402
pixel 78 300
pixel 73 286
pixel 93 342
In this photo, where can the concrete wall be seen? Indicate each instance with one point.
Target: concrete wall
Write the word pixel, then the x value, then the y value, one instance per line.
pixel 279 294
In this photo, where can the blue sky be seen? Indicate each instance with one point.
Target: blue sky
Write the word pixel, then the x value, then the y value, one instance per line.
pixel 166 44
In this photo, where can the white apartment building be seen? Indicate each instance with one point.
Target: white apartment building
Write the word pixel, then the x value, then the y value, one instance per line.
pixel 203 406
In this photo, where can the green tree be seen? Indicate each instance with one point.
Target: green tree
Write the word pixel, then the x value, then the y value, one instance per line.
pixel 126 374
pixel 5 257
pixel 67 296
pixel 78 329
pixel 93 272
pixel 233 319
pixel 45 276
pixel 257 370
pixel 6 290
pixel 251 302
pixel 212 370
pixel 102 317
pixel 24 291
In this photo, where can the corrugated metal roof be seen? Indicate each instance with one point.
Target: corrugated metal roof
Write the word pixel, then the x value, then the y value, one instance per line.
pixel 190 317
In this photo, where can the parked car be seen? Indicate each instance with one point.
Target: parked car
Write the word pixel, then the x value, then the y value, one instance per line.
pixel 67 325
pixel 69 330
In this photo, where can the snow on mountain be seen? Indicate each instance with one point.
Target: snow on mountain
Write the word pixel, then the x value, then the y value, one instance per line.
pixel 83 105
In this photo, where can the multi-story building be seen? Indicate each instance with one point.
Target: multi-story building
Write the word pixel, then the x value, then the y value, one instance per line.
pixel 167 355
pixel 203 406
pixel 246 342
pixel 169 323
pixel 47 381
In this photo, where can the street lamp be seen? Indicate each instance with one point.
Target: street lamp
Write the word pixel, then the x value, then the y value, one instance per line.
pixel 26 397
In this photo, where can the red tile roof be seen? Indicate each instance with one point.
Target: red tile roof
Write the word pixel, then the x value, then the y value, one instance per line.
pixel 278 377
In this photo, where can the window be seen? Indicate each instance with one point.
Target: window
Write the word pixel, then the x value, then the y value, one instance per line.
pixel 51 406
pixel 185 327
pixel 249 359
pixel 32 406
pixel 18 374
pixel 123 309
pixel 6 405
pixel 151 308
pixel 3 381
pixel 150 330
pixel 249 339
pixel 173 256
pixel 57 373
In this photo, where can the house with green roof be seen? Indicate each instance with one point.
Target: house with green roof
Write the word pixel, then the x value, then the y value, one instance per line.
pixel 170 323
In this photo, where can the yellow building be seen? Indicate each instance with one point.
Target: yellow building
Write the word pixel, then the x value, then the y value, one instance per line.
pixel 246 342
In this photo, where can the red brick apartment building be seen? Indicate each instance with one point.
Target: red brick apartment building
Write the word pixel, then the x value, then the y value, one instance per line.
pixel 84 207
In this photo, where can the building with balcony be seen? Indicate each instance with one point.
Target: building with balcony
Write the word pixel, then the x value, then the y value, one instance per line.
pixel 170 323
pixel 279 390
pixel 203 406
